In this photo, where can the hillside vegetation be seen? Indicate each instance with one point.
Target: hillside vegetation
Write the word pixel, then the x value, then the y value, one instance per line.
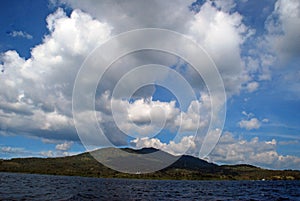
pixel 186 167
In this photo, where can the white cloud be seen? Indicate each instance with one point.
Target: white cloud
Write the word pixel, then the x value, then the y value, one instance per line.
pixel 283 29
pixel 48 154
pixel 273 142
pixel 186 143
pixel 274 54
pixel 265 120
pixel 267 61
pixel 209 28
pixel 190 120
pixel 262 153
pixel 11 150
pixel 64 146
pixel 22 34
pixel 145 117
pixel 36 92
pixel 45 90
pixel 128 15
pixel 8 152
pixel 252 86
pixel 277 51
pixel 60 153
pixel 247 114
pixel 143 111
pixel 253 123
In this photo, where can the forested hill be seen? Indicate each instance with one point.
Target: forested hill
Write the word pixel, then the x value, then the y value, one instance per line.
pixel 186 167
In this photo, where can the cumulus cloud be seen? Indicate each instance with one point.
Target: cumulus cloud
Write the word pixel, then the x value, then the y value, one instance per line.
pixel 208 28
pixel 128 15
pixel 262 153
pixel 282 26
pixel 39 88
pixel 186 143
pixel 251 124
pixel 36 92
pixel 275 56
pixel 21 34
pixel 64 146
pixel 146 117
pixel 48 154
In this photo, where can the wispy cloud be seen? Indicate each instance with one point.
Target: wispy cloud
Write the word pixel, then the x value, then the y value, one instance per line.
pixel 8 152
pixel 21 34
pixel 290 142
pixel 11 150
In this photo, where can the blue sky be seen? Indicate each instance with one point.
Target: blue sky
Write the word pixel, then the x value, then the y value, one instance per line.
pixel 254 44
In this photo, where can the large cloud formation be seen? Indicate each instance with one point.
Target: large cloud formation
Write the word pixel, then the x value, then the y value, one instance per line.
pixel 36 93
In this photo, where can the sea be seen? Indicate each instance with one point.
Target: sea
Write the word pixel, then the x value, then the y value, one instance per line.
pixel 15 186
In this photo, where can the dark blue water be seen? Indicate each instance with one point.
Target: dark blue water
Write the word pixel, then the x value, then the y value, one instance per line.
pixel 45 187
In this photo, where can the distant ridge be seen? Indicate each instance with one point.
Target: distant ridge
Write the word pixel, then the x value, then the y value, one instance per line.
pixel 186 167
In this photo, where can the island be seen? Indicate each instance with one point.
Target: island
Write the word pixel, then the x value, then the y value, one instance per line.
pixel 185 168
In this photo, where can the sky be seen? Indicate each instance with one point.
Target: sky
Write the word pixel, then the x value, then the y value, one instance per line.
pixel 255 46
